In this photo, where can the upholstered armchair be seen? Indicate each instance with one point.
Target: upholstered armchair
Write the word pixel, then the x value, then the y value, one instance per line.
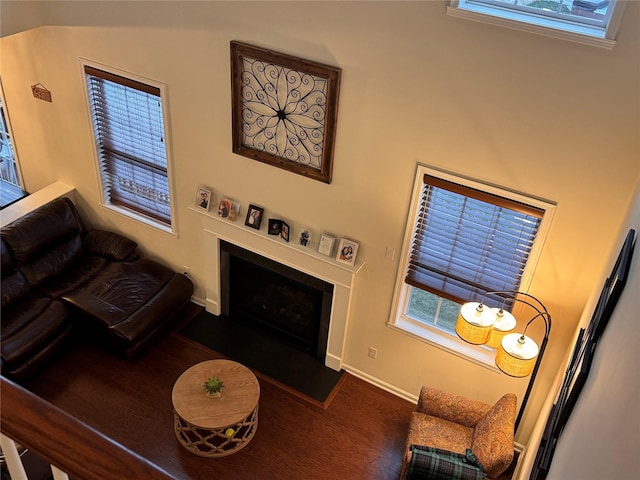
pixel 471 431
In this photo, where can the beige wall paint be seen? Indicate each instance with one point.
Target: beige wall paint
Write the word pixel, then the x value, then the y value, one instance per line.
pixel 546 117
pixel 602 430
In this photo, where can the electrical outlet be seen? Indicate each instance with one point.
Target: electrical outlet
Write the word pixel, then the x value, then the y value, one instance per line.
pixel 373 353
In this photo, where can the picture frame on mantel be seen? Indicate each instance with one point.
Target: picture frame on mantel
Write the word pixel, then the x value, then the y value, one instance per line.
pixel 325 246
pixel 305 237
pixel 254 216
pixel 347 251
pixel 203 198
pixel 284 110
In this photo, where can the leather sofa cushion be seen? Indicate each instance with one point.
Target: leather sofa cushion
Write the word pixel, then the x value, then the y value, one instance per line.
pixel 77 276
pixel 14 285
pixel 131 302
pixel 46 241
pixel 110 245
pixel 28 326
pixel 54 262
pixel 33 364
pixel 8 265
pixel 143 324
pixel 42 230
pixel 120 289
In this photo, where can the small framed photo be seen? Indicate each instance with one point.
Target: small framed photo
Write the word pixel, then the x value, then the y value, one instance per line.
pixel 234 213
pixel 279 227
pixel 326 244
pixel 203 198
pixel 275 226
pixel 305 237
pixel 347 251
pixel 224 207
pixel 254 217
pixel 228 209
pixel 284 231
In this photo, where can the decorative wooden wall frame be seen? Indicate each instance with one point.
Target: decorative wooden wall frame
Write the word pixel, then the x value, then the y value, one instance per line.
pixel 580 364
pixel 284 110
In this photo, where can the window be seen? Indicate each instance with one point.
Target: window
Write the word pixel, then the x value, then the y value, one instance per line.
pixel 463 239
pixel 129 131
pixel 10 183
pixel 593 22
pixel 8 163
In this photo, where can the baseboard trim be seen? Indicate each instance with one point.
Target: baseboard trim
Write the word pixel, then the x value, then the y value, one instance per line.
pixel 380 384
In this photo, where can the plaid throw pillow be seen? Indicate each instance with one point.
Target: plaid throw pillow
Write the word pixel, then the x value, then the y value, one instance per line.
pixel 435 464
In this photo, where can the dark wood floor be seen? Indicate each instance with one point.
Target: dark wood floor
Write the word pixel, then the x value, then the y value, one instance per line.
pixel 359 436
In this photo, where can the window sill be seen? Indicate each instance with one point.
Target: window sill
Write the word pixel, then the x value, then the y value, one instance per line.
pixel 131 215
pixel 529 23
pixel 480 355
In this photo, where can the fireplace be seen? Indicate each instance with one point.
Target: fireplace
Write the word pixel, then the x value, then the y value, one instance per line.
pixel 340 276
pixel 275 299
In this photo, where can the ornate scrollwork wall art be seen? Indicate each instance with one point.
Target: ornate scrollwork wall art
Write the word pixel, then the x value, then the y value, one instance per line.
pixel 284 110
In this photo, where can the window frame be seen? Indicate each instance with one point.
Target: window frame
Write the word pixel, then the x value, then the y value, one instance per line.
pixel 122 210
pixel 542 24
pixel 14 150
pixel 433 335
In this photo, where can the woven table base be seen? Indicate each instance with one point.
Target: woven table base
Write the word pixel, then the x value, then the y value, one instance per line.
pixel 215 442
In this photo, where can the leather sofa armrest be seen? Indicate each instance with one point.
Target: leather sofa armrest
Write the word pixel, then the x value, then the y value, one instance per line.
pixel 451 407
pixel 110 245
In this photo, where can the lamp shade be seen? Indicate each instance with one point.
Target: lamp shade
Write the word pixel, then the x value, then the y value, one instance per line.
pixel 475 323
pixel 517 355
pixel 505 323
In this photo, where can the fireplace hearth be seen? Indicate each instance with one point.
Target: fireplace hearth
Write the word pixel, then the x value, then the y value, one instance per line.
pixel 275 299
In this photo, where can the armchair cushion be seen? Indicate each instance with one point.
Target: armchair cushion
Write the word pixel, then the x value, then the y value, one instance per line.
pixel 438 433
pixel 449 406
pixel 493 436
pixel 436 464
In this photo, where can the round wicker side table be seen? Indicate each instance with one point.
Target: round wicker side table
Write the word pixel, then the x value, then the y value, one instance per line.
pixel 216 427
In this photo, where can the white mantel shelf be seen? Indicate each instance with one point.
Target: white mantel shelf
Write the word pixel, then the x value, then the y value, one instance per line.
pixel 304 259
pixel 311 251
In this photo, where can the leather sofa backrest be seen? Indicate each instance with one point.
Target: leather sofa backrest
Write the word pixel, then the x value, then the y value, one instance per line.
pixel 46 241
pixel 14 285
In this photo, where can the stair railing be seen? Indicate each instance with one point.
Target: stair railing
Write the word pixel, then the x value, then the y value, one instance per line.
pixel 70 446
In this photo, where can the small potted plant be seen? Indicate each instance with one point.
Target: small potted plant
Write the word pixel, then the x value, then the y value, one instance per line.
pixel 213 387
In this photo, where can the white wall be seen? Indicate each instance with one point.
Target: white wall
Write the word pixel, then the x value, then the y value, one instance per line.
pixel 543 116
pixel 601 439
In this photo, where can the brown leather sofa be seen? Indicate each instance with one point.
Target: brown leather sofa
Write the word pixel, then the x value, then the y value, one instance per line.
pixel 59 277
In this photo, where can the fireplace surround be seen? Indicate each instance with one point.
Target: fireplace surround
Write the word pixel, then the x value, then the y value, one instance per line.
pixel 277 300
pixel 306 260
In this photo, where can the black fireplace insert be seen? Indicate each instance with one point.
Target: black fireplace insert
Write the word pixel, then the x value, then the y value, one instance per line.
pixel 275 299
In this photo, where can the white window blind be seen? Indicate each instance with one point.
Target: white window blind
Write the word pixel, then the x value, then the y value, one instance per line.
pixel 129 130
pixel 467 242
